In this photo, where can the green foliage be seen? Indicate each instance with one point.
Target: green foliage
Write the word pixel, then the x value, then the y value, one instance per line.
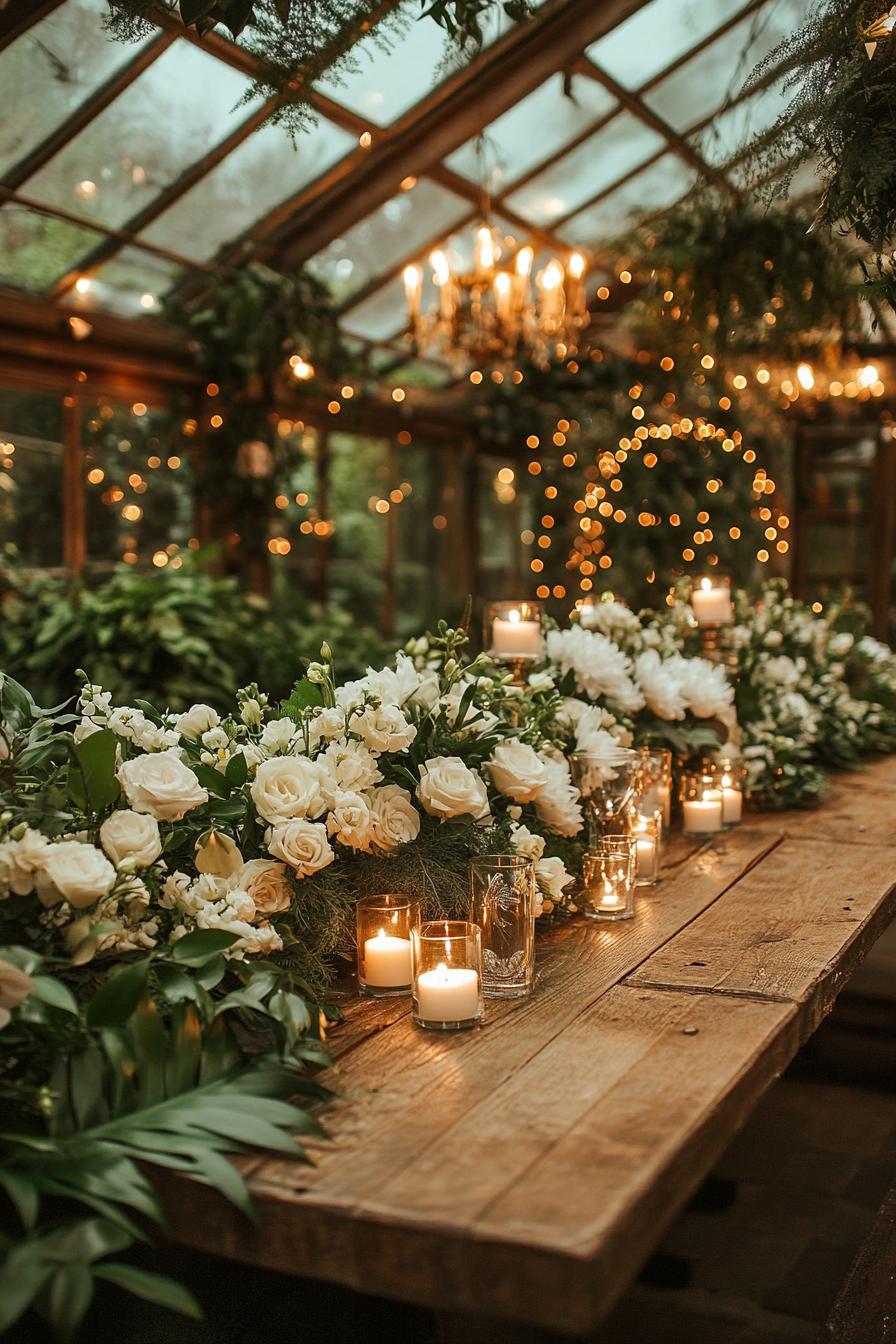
pixel 173 636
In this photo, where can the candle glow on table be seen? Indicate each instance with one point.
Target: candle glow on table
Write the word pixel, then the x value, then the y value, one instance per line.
pixel 712 604
pixel 515 637
pixel 611 897
pixel 387 961
pixel 447 994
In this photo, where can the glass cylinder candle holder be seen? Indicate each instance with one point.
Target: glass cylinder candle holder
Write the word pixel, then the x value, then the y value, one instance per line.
pixel 502 903
pixel 655 786
pixel 514 632
pixel 385 924
pixel 731 776
pixel 711 601
pixel 447 974
pixel 609 876
pixel 608 783
pixel 648 832
pixel 701 804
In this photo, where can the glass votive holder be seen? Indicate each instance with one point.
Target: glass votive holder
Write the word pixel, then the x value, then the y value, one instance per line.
pixel 514 632
pixel 608 783
pixel 711 601
pixel 447 974
pixel 731 774
pixel 502 903
pixel 609 875
pixel 384 927
pixel 655 788
pixel 648 833
pixel 701 804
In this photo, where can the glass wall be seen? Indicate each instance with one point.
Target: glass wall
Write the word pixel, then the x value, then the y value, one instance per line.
pixel 31 474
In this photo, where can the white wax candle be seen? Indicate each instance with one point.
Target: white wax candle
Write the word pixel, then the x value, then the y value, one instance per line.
pixel 387 961
pixel 516 638
pixel 657 798
pixel 611 898
pixel 448 994
pixel 646 853
pixel 703 815
pixel 712 606
pixel 732 805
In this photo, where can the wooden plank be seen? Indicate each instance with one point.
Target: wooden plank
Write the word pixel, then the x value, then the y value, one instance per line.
pixel 794 929
pixel 865 1310
pixel 858 810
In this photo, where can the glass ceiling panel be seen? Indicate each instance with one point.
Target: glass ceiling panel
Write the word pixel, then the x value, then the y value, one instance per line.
pixel 398 229
pixel 51 70
pixel 620 146
pixel 381 315
pixel 649 191
pixel 387 82
pixel 657 35
pixel 35 249
pixel 131 284
pixel 532 131
pixel 174 113
pixel 730 131
pixel 261 173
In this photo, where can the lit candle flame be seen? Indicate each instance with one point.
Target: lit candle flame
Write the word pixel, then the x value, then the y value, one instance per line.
pixel 524 259
pixel 441 270
pixel 513 617
pixel 576 265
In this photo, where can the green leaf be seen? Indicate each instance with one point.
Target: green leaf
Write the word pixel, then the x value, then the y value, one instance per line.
pixel 305 694
pixel 237 771
pixel 53 992
pixel 22 1275
pixel 66 1299
pixel 85 1086
pixel 157 1288
pixel 23 1193
pixel 201 945
pixel 150 1047
pixel 116 1000
pixel 212 780
pixel 92 785
pixel 186 1049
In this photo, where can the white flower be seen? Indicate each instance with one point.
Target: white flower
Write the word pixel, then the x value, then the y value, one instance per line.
pixel 705 686
pixel 841 643
pixel 599 667
pixel 448 788
pixel 257 940
pixel 558 802
pixel 394 819
pixel 773 638
pixel 526 842
pixel 346 767
pixel 552 877
pixel 384 728
pixel 328 723
pixel 15 986
pixel 218 854
pixel 541 681
pixel 277 735
pixel 250 713
pixel 20 861
pixel 350 821
pixel 570 712
pixel 286 787
pixel 781 671
pixel 612 619
pixel 131 835
pixel 161 785
pixel 517 770
pixel 267 883
pixel 303 845
pixel 660 684
pixel 86 728
pixel 80 873
pixel 477 720
pixel 403 685
pixel 197 720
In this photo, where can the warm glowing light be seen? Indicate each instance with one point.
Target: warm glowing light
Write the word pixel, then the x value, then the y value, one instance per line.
pixel 576 266
pixel 83 282
pixel 524 259
pixel 302 369
pixel 805 377
pixel 867 375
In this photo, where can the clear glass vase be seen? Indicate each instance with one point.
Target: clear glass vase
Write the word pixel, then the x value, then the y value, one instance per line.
pixel 608 783
pixel 502 903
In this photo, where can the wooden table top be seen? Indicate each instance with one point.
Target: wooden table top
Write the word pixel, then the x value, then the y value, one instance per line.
pixel 526 1169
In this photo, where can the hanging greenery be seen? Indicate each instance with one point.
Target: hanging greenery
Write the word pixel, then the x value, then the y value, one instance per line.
pixel 296 41
pixel 842 116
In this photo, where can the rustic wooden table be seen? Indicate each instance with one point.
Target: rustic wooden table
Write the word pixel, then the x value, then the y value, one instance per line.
pixel 525 1170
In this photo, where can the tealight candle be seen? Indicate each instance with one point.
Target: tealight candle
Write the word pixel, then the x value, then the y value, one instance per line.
pixel 447 994
pixel 712 603
pixel 703 816
pixel 387 961
pixel 384 927
pixel 608 874
pixel 446 969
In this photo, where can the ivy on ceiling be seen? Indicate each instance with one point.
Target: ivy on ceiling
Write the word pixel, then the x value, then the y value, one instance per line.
pixel 296 41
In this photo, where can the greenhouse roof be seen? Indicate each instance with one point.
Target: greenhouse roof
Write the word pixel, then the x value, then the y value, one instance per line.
pixel 127 168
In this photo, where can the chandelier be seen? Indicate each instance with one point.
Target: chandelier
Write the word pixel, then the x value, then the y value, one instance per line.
pixel 498 311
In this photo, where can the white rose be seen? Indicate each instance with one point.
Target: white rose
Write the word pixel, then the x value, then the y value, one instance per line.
pixel 558 802
pixel 277 735
pixel 350 821
pixel 267 884
pixel 79 872
pixel 15 986
pixel 384 728
pixel 552 877
pixel 286 787
pixel 773 638
pixel 161 785
pixel 131 835
pixel 394 819
pixel 303 845
pixel 20 861
pixel 197 720
pixel 517 771
pixel 347 767
pixel 448 788
pixel 526 842
pixel 250 713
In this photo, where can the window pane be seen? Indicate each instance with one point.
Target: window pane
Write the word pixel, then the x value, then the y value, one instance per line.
pixel 131 284
pixel 139 484
pixel 380 317
pixel 398 229
pixel 647 192
pixel 294 546
pixel 422 541
pixel 532 130
pixel 387 82
pixel 503 514
pixel 31 476
pixel 610 154
pixel 51 70
pixel 657 35
pixel 36 249
pixel 178 109
pixel 263 171
pixel 359 477
pixel 731 131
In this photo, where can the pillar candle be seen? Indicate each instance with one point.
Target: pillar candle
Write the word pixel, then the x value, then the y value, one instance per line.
pixel 516 638
pixel 448 994
pixel 702 816
pixel 387 961
pixel 712 606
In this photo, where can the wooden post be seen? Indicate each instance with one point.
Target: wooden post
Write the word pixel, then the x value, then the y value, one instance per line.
pixel 390 559
pixel 73 501
pixel 883 537
pixel 322 551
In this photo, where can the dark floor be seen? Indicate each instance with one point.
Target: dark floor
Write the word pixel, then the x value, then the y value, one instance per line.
pixel 757 1259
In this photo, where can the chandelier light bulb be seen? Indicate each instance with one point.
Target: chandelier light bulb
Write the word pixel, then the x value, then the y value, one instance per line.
pixel 805 377
pixel 524 259
pixel 485 248
pixel 440 268
pixel 576 266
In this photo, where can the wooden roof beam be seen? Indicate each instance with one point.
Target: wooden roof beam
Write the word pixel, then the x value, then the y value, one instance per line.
pixel 17 16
